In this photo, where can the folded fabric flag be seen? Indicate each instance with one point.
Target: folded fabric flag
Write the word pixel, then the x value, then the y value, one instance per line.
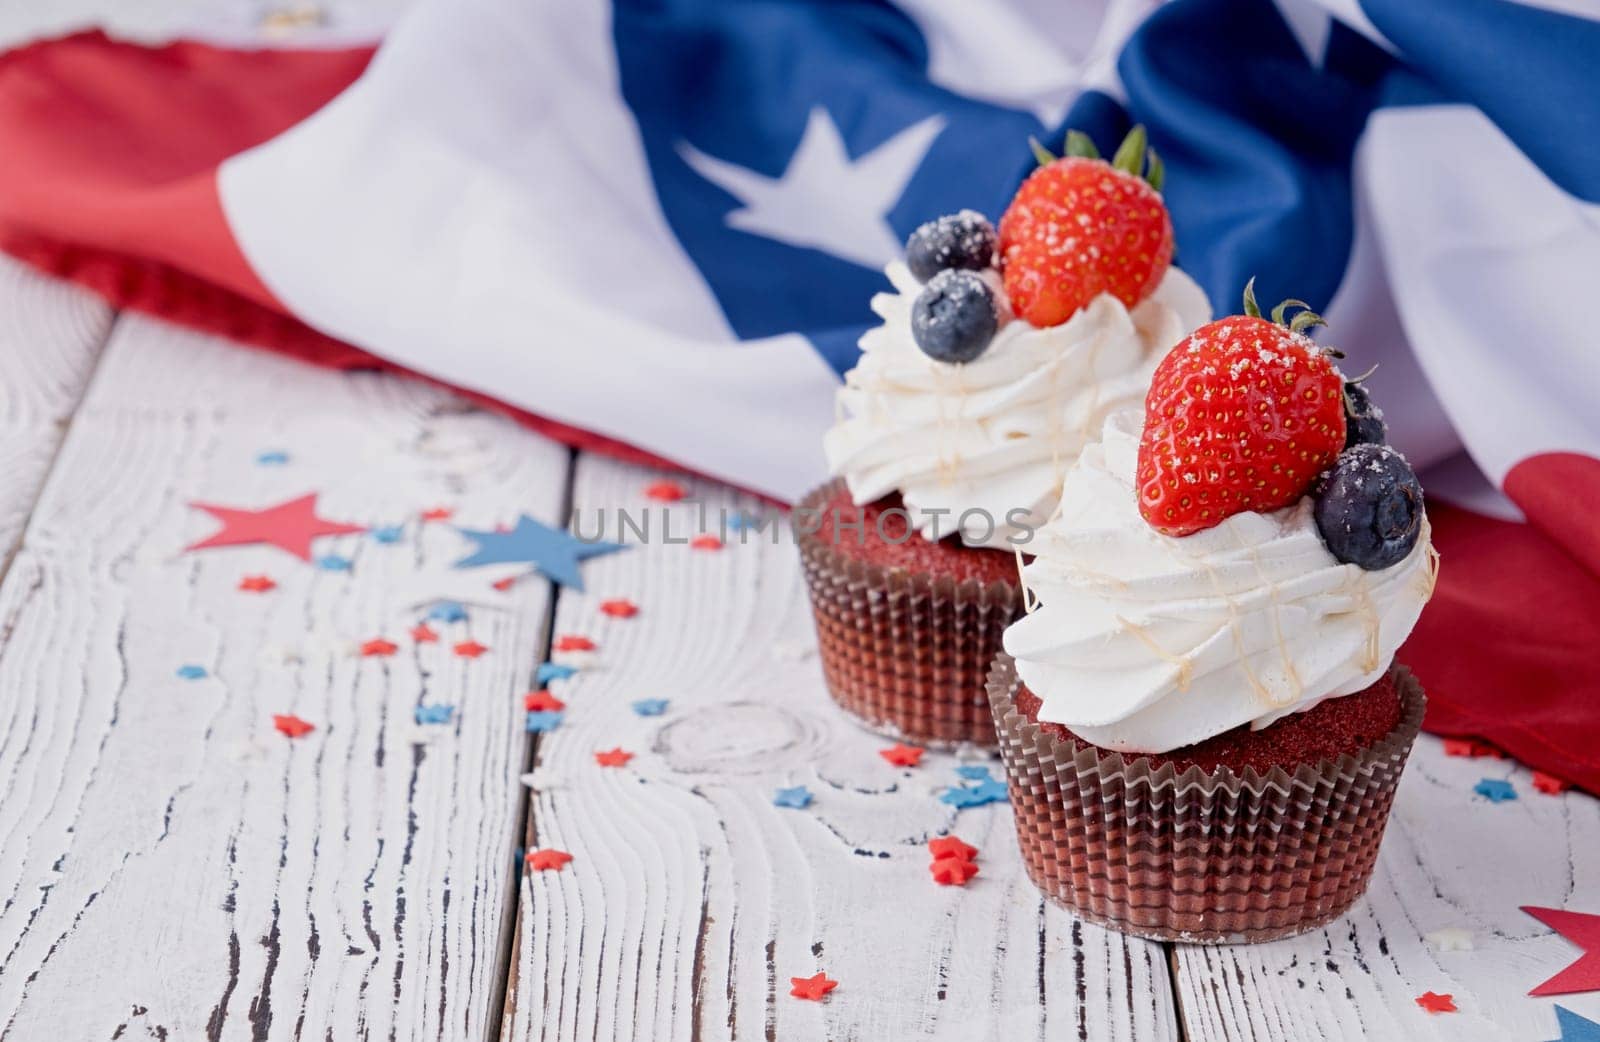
pixel 653 228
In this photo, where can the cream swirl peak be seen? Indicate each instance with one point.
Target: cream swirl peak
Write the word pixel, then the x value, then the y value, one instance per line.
pixel 993 438
pixel 1144 642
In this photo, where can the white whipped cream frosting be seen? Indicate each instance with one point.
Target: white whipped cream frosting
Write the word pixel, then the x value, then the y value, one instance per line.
pixel 1143 643
pixel 997 434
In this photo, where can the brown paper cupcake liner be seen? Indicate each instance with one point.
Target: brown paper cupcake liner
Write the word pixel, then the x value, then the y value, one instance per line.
pixel 907 654
pixel 1208 857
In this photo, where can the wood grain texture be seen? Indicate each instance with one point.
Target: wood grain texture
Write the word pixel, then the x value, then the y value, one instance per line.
pixel 1451 860
pixel 692 899
pixel 50 336
pixel 171 866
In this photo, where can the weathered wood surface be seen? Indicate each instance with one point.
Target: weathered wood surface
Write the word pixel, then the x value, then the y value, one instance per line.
pixel 168 861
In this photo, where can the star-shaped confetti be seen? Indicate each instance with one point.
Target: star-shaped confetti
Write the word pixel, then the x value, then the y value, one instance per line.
pixel 1467 747
pixel 1583 930
pixel 504 585
pixel 293 726
pixel 435 713
pixel 973 772
pixel 289 526
pixel 797 797
pixel 430 585
pixel 547 860
pixel 272 458
pixel 815 987
pixel 706 541
pixel 902 755
pixel 952 871
pixel 650 706
pixel 573 642
pixel 334 563
pixel 542 702
pixel 257 584
pixel 964 796
pixel 951 846
pixel 665 491
pixel 470 649
pixel 1436 1003
pixel 192 672
pixel 549 671
pixel 438 514
pixel 448 611
pixel 378 647
pixel 422 633
pixel 544 722
pixel 553 552
pixel 619 608
pixel 1495 790
pixel 388 533
pixel 1549 784
pixel 1575 1028
pixel 613 758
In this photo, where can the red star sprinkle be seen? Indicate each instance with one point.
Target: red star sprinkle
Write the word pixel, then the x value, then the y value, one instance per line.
pixel 572 642
pixel 665 491
pixel 1435 1003
pixel 470 649
pixel 950 846
pixel 542 702
pixel 438 514
pixel 952 871
pixel 1549 784
pixel 621 608
pixel 423 634
pixel 814 988
pixel 292 725
pixel 613 758
pixel 706 541
pixel 289 526
pixel 543 860
pixel 1462 747
pixel 257 584
pixel 1583 930
pixel 902 755
pixel 504 584
pixel 379 646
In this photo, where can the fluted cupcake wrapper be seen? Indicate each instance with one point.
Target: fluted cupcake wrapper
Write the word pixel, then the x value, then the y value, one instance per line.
pixel 907 654
pixel 1194 856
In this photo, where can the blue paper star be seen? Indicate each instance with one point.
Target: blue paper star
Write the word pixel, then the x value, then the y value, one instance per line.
pixel 973 772
pixel 273 458
pixel 1494 790
pixel 334 563
pixel 553 552
pixel 990 790
pixel 1575 1028
pixel 448 611
pixel 388 533
pixel 798 797
pixel 437 713
pixel 549 671
pixel 650 706
pixel 192 672
pixel 543 721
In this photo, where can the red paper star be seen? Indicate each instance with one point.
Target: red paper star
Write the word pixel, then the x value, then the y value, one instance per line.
pixel 1583 930
pixel 292 725
pixel 542 860
pixel 902 755
pixel 706 541
pixel 571 642
pixel 1435 1003
pixel 504 584
pixel 1549 784
pixel 438 514
pixel 952 871
pixel 422 633
pixel 470 649
pixel 621 608
pixel 665 491
pixel 289 526
pixel 613 758
pixel 542 702
pixel 1462 747
pixel 950 846
pixel 379 647
pixel 257 584
pixel 814 988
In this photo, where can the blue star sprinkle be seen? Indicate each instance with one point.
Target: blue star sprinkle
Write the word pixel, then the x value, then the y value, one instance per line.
pixel 435 714
pixel 973 772
pixel 448 611
pixel 990 790
pixel 549 671
pixel 650 706
pixel 741 521
pixel 544 721
pixel 388 533
pixel 798 797
pixel 1494 790
pixel 334 563
pixel 192 672
pixel 1575 1028
pixel 274 458
pixel 553 552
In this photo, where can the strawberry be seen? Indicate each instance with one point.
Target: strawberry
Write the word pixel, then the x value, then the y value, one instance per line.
pixel 1243 415
pixel 1079 227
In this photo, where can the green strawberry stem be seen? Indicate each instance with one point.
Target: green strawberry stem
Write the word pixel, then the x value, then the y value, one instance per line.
pixel 1041 154
pixel 1299 324
pixel 1156 175
pixel 1081 145
pixel 1130 154
pixel 1134 156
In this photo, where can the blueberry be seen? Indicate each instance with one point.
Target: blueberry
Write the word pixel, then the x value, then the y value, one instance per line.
pixel 1369 507
pixel 954 317
pixel 964 241
pixel 1363 421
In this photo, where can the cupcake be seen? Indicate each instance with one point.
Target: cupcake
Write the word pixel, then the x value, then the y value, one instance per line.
pixel 1201 717
pixel 997 360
